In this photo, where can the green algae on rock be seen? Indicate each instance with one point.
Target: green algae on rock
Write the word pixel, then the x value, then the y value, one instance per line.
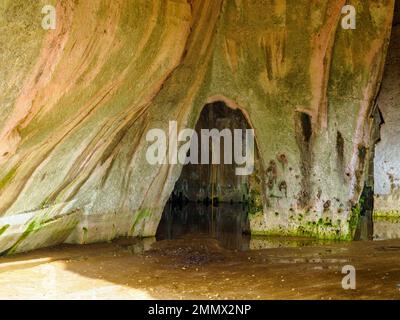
pixel 72 135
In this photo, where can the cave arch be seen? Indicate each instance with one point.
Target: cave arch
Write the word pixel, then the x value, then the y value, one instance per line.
pixel 211 197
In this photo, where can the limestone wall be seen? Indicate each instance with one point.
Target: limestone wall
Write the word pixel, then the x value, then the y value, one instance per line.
pixel 387 152
pixel 76 103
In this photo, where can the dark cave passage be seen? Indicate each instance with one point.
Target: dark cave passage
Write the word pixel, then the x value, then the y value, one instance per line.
pixel 228 223
pixel 211 198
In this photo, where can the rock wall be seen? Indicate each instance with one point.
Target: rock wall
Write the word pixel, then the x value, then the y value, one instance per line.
pixel 77 101
pixel 387 152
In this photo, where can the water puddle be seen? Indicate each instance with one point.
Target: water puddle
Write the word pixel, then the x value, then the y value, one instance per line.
pixel 227 223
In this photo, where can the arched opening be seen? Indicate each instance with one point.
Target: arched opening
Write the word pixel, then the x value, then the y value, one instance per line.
pixel 380 205
pixel 213 198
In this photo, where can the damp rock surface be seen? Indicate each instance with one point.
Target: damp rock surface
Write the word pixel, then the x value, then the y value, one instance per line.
pixel 77 102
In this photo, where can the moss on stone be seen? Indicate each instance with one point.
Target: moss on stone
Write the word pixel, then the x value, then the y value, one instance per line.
pixel 323 228
pixel 3 229
pixel 32 227
pixel 258 54
pixel 354 218
pixel 8 177
pixel 307 230
pixel 389 216
pixel 140 216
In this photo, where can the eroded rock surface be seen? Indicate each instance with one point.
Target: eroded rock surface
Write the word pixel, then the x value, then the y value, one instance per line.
pixel 76 103
pixel 387 152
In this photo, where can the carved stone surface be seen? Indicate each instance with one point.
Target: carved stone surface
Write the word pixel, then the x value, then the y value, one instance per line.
pixel 76 103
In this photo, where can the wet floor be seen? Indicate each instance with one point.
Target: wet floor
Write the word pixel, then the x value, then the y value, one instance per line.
pixel 204 255
pixel 199 268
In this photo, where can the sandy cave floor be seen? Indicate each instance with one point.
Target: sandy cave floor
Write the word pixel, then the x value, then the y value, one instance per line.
pixel 198 268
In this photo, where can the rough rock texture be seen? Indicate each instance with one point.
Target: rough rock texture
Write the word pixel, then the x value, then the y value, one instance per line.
pixel 76 103
pixel 387 152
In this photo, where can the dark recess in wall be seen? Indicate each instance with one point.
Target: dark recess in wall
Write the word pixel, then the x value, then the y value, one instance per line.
pixel 304 133
pixel 340 151
pixel 396 18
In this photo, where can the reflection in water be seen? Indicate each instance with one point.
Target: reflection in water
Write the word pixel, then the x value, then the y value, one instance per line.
pixel 228 223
